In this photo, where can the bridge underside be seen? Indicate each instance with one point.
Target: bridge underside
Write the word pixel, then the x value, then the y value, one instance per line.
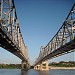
pixel 69 47
pixel 10 34
pixel 7 44
pixel 62 43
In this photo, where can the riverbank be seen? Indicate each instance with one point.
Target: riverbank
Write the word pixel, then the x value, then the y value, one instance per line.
pixel 10 66
pixel 52 67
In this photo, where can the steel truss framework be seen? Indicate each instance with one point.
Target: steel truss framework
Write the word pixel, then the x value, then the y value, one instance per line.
pixel 62 42
pixel 10 30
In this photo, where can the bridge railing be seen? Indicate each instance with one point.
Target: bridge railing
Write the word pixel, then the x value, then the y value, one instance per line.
pixel 64 35
pixel 10 25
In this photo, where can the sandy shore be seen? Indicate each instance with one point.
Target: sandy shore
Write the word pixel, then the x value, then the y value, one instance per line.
pixel 51 67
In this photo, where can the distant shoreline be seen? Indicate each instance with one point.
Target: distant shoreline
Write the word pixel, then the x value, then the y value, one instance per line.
pixel 52 67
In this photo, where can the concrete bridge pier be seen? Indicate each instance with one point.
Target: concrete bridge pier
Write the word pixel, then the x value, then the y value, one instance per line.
pixel 37 67
pixel 24 66
pixel 42 66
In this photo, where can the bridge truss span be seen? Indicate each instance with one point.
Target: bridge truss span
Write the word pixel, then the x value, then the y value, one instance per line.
pixel 10 34
pixel 63 42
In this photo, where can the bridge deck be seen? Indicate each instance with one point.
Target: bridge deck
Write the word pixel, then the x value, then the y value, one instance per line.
pixel 7 44
pixel 63 42
pixel 69 47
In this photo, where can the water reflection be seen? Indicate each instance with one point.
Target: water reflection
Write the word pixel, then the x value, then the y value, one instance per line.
pixel 34 72
pixel 24 72
pixel 50 72
pixel 43 73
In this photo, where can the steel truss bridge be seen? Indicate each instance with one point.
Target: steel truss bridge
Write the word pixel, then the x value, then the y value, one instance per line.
pixel 10 34
pixel 62 43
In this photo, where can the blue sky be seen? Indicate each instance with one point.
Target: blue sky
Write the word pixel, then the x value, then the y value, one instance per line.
pixel 39 21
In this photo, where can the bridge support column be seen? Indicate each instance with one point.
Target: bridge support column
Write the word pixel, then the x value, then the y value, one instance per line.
pixel 24 66
pixel 35 67
pixel 38 67
pixel 44 65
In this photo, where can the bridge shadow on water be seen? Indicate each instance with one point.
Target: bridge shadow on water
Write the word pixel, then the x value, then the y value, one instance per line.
pixel 34 72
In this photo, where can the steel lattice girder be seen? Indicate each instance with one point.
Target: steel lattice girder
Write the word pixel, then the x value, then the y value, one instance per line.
pixel 63 38
pixel 9 25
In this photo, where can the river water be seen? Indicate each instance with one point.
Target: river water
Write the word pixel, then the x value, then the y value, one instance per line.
pixel 35 72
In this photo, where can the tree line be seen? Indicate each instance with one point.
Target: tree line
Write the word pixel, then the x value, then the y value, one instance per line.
pixel 63 64
pixel 55 64
pixel 10 66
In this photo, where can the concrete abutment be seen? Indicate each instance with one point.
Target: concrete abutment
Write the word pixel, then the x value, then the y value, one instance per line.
pixel 42 66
